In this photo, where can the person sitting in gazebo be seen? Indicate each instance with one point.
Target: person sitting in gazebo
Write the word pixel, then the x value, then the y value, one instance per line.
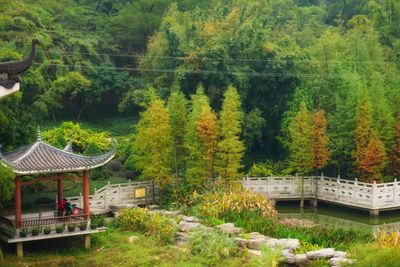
pixel 61 206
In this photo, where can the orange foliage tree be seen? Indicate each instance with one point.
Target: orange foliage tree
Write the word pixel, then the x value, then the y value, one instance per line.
pixel 320 138
pixel 373 161
pixel 207 130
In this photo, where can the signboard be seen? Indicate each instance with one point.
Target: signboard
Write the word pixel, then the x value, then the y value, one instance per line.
pixel 140 192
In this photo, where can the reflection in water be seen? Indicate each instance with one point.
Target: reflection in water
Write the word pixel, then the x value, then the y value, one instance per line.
pixel 338 216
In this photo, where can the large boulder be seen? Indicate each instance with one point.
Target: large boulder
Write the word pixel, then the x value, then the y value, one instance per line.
pixel 324 253
pixel 288 243
pixel 190 219
pixel 339 261
pixel 185 226
pixel 229 228
pixel 295 259
pixel 255 241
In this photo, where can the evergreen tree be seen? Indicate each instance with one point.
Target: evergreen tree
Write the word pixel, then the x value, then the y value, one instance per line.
pixel 177 107
pixel 301 145
pixel 152 144
pixel 396 158
pixel 230 148
pixel 193 143
pixel 207 130
pixel 6 183
pixel 320 140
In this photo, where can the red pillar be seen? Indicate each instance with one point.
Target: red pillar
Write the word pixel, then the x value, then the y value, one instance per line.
pixel 60 193
pixel 18 209
pixel 86 193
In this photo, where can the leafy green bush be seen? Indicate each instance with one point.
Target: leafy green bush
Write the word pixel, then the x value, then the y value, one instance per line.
pixel 23 232
pixel 71 227
pixel 47 230
pixel 60 229
pixel 7 231
pixel 92 149
pixel 157 225
pixel 36 231
pixel 81 138
pixel 265 169
pixel 212 246
pixel 271 257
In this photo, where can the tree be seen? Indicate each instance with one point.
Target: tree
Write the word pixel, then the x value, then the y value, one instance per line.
pixel 177 107
pixel 230 148
pixel 373 161
pixel 320 139
pixel 301 145
pixel 207 130
pixel 152 144
pixel 363 132
pixel 193 143
pixel 396 159
pixel 6 183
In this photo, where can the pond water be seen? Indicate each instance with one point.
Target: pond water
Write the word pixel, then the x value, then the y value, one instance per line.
pixel 332 215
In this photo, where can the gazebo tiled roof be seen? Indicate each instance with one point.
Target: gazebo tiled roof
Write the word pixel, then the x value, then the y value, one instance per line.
pixel 43 158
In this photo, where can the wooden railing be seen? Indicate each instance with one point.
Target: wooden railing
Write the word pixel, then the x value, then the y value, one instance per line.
pixel 48 221
pixel 370 196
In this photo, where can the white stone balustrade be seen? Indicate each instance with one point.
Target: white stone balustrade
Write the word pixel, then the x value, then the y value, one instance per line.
pixel 369 196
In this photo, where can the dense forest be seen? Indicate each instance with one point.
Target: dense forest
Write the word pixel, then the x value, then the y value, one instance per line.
pixel 310 64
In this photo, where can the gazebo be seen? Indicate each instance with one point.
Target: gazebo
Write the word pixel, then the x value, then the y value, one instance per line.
pixel 46 162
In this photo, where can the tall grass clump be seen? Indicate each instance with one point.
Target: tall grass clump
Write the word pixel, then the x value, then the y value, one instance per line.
pixel 216 204
pixel 161 227
pixel 271 257
pixel 212 246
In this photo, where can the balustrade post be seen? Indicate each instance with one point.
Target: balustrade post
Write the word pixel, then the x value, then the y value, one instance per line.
pixel 95 191
pixel 268 181
pixel 355 189
pixel 373 194
pixel 395 190
pixel 337 187
pixel 81 200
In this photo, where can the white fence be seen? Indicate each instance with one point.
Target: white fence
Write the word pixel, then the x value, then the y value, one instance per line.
pixel 131 193
pixel 371 196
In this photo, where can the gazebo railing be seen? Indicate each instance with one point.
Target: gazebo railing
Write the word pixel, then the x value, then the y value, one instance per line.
pixel 48 221
pixel 7 222
pixel 7 212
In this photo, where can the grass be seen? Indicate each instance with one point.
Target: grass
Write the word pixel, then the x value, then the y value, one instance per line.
pixel 112 249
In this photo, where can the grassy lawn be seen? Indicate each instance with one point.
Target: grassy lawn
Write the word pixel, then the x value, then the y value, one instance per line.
pixel 112 249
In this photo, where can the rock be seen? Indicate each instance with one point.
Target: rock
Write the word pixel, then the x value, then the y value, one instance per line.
pixel 255 241
pixel 289 256
pixel 190 219
pixel 339 261
pixel 132 239
pixel 153 207
pixel 189 226
pixel 292 222
pixel 295 259
pixel 254 252
pixel 288 243
pixel 229 228
pixel 182 236
pixel 172 212
pixel 325 253
pixel 340 254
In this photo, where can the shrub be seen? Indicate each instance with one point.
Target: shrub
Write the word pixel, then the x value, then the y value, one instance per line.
pixel 216 204
pixel 60 229
pixel 269 257
pixel 71 227
pixel 7 231
pixel 23 232
pixel 47 230
pixel 375 255
pixel 212 246
pixel 155 224
pixel 36 231
pixel 83 226
pixel 389 239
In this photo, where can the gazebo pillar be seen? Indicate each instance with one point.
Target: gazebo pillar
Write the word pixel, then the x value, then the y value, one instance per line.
pixel 18 209
pixel 86 210
pixel 60 193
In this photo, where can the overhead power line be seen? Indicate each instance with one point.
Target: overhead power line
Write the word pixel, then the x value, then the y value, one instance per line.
pixel 182 58
pixel 253 74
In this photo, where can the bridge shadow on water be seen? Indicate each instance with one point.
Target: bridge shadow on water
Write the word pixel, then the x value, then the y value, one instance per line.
pixel 339 216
